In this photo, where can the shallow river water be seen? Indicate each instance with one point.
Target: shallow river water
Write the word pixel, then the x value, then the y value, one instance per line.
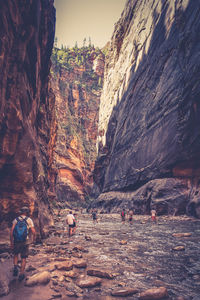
pixel 141 255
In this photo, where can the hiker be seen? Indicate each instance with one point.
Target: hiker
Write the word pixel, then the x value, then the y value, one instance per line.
pixel 94 216
pixel 130 216
pixel 19 239
pixel 153 215
pixel 123 215
pixel 75 224
pixel 70 220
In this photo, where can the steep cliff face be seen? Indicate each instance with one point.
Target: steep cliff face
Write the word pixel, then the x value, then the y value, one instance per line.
pixel 26 40
pixel 76 82
pixel 149 129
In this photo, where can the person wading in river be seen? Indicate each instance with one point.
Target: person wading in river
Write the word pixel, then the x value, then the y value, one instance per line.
pixel 94 216
pixel 123 215
pixel 19 240
pixel 130 216
pixel 153 215
pixel 70 220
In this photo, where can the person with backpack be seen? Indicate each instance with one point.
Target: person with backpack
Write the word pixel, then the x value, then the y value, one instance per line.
pixel 19 239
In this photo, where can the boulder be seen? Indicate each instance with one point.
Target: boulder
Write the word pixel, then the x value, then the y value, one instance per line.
pixel 79 263
pixel 88 282
pixel 64 266
pixel 154 294
pixel 123 292
pixel 39 278
pixel 100 273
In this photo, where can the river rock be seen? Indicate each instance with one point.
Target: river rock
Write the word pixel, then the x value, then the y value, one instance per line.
pixel 100 273
pixel 124 292
pixel 179 248
pixel 88 238
pixel 73 288
pixel 186 234
pixel 123 242
pixel 154 294
pixel 65 266
pixel 79 263
pixel 87 282
pixel 71 274
pixel 39 278
pixel 4 285
pixel 78 248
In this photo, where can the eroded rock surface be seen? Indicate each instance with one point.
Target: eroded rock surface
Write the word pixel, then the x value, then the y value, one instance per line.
pixel 77 87
pixel 149 109
pixel 26 40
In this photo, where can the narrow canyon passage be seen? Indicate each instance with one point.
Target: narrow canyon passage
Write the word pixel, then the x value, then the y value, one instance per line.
pixel 140 256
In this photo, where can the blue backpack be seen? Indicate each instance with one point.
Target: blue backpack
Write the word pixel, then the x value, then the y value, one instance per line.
pixel 20 231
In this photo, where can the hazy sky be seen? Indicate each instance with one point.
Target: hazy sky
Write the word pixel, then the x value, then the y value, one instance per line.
pixel 79 19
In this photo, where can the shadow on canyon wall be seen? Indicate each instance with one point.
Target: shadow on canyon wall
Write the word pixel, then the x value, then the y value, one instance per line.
pixel 154 132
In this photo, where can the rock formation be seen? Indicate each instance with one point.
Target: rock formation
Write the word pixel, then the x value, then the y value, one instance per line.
pixel 76 82
pixel 149 129
pixel 26 41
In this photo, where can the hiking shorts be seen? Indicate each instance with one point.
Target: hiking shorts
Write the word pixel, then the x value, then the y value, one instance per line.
pixel 21 248
pixel 72 225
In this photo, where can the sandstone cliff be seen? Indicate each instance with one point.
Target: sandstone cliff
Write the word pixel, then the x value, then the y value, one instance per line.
pixel 149 129
pixel 26 40
pixel 76 82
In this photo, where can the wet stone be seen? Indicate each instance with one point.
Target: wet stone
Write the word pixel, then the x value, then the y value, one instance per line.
pixel 186 234
pixel 55 296
pixel 30 268
pixel 4 285
pixel 73 288
pixel 71 274
pixel 123 242
pixel 123 292
pixel 179 248
pixel 154 294
pixel 39 278
pixel 100 273
pixel 88 238
pixel 65 266
pixel 88 282
pixel 79 263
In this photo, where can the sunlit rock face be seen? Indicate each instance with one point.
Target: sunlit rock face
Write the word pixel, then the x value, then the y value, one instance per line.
pixel 77 92
pixel 26 39
pixel 149 127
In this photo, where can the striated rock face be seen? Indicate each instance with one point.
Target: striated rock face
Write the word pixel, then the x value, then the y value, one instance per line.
pixel 77 86
pixel 149 129
pixel 26 40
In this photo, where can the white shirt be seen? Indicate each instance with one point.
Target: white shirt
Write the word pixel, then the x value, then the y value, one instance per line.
pixel 70 219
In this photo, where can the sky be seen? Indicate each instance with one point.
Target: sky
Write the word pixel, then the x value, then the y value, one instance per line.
pixel 79 19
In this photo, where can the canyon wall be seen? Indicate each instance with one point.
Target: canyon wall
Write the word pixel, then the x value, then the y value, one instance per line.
pixel 76 82
pixel 26 41
pixel 149 129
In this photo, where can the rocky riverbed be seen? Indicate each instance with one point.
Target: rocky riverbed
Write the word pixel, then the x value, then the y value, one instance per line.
pixel 110 260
